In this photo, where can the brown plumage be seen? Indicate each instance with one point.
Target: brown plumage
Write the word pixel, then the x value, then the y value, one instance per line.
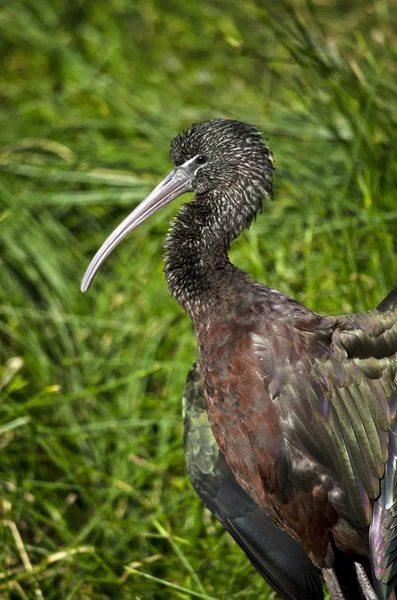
pixel 275 555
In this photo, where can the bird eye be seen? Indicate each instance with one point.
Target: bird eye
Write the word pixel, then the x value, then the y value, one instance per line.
pixel 201 159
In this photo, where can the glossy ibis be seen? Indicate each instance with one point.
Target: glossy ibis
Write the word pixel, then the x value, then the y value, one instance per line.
pixel 302 406
pixel 280 560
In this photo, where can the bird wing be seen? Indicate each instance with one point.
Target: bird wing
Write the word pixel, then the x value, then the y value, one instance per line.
pixel 343 390
pixel 343 396
pixel 279 559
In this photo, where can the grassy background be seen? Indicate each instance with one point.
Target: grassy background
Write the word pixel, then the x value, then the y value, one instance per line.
pixel 92 470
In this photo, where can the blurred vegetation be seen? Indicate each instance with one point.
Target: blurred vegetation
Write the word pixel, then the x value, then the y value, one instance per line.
pixel 95 498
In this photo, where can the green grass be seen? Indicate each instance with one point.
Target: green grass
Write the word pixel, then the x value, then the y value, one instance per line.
pixel 95 498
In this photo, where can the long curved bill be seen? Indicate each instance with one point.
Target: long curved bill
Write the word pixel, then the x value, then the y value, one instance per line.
pixel 175 184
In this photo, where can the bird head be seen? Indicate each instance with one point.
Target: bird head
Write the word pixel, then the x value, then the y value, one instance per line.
pixel 214 156
pixel 226 153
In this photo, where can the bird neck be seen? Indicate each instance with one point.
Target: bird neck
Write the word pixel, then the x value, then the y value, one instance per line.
pixel 197 266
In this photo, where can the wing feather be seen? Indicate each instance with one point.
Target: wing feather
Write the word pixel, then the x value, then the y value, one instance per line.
pixel 356 401
pixel 374 451
pixel 365 459
pixel 333 385
pixel 359 420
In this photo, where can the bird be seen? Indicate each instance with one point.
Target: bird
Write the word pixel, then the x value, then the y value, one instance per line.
pixel 277 557
pixel 302 406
